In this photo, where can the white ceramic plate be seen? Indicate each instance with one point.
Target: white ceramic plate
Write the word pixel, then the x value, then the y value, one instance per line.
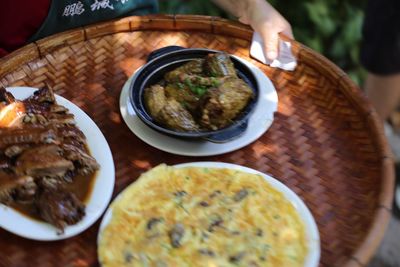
pixel 259 123
pixel 18 224
pixel 312 233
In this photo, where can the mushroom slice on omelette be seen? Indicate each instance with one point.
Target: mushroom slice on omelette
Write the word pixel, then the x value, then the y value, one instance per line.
pixel 196 216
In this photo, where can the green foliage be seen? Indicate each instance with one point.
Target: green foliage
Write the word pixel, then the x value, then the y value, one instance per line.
pixel 331 27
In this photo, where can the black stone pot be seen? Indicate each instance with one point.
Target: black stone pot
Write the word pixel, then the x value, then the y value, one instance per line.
pixel 168 58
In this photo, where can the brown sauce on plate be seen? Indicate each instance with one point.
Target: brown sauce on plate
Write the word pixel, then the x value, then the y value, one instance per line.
pixel 81 186
pixel 46 170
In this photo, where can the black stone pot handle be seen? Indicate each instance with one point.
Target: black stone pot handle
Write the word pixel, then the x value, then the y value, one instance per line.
pixel 228 135
pixel 162 51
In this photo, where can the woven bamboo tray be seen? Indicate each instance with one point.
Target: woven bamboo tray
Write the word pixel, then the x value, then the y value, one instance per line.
pixel 326 143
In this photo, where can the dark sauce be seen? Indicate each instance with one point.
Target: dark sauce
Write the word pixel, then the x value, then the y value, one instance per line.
pixel 81 186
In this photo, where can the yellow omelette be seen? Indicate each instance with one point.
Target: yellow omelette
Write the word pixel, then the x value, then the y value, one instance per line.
pixel 196 216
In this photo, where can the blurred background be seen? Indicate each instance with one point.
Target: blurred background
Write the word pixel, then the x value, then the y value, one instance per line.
pixel 331 27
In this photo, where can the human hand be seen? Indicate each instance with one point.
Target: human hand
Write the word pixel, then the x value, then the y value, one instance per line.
pixel 265 20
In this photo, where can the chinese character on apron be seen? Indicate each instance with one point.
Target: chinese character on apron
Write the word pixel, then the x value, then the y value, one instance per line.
pixel 68 14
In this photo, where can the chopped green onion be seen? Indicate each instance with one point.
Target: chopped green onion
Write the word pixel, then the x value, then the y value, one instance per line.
pixel 180 86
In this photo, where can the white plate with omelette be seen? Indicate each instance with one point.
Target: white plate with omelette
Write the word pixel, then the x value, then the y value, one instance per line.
pixel 208 214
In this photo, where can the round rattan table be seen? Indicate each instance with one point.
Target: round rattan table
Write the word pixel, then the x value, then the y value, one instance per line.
pixel 325 143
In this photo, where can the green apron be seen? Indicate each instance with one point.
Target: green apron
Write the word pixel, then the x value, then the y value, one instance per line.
pixel 68 14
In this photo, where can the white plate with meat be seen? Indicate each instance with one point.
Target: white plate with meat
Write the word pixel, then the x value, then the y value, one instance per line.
pixel 47 164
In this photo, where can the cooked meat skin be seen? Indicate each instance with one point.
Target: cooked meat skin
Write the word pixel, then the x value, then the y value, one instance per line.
pixel 155 99
pixel 183 95
pixel 84 163
pixel 33 107
pixel 192 72
pixel 219 65
pixel 10 183
pixel 192 67
pixel 191 80
pixel 40 108
pixel 44 94
pixel 59 207
pixel 44 160
pixel 61 118
pixel 26 192
pixel 6 97
pixel 176 117
pixel 34 134
pixel 168 111
pixel 74 142
pixel 221 105
pixel 71 131
pixel 15 150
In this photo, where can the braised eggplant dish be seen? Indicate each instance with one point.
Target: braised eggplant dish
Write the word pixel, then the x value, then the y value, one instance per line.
pixel 201 95
pixel 46 170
